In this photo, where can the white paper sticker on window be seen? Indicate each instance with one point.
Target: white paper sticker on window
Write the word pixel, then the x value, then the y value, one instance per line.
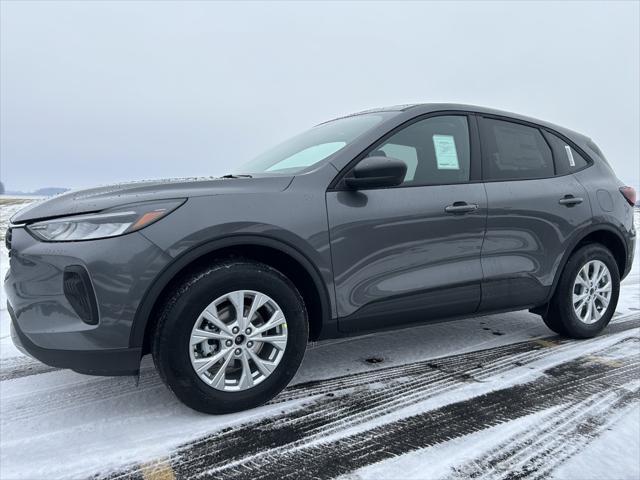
pixel 446 154
pixel 572 162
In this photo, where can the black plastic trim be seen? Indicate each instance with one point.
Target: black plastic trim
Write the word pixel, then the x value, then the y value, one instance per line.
pixel 413 308
pixel 151 296
pixel 90 317
pixel 576 241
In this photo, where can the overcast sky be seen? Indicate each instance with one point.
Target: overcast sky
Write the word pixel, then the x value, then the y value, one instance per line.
pixel 101 92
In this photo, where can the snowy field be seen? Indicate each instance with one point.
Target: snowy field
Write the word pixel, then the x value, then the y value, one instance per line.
pixel 493 397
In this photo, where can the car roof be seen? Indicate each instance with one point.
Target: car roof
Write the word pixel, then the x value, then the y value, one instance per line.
pixel 423 108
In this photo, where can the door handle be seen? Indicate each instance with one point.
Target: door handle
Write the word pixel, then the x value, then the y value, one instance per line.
pixel 570 200
pixel 461 207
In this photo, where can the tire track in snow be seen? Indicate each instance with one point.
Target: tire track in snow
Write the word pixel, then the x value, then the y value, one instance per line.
pixel 17 367
pixel 335 413
pixel 332 414
pixel 534 454
pixel 252 450
pixel 74 396
pixel 574 381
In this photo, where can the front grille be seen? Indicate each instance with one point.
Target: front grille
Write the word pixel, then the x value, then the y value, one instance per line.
pixel 79 292
pixel 7 238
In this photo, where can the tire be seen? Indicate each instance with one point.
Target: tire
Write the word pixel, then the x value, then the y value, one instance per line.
pixel 173 354
pixel 561 316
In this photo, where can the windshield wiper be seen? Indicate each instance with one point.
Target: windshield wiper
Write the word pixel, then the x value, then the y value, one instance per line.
pixel 230 175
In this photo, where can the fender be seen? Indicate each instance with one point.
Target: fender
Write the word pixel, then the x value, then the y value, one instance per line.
pixel 141 318
pixel 577 238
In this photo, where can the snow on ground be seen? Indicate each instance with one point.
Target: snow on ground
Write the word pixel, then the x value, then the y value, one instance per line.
pixel 612 455
pixel 440 460
pixel 483 396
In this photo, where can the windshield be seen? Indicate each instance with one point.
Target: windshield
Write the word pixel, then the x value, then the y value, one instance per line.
pixel 313 146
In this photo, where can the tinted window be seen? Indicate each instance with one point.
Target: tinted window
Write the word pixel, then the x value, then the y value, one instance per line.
pixel 514 151
pixel 566 157
pixel 436 150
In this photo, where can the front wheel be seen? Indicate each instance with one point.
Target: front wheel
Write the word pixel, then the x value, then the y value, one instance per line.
pixel 231 337
pixel 586 295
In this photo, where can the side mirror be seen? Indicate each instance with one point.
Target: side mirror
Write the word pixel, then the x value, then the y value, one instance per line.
pixel 376 172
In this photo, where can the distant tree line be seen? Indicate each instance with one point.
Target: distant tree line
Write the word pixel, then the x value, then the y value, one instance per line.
pixel 40 192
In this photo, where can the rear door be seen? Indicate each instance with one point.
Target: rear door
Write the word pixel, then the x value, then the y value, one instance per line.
pixel 534 208
pixel 412 252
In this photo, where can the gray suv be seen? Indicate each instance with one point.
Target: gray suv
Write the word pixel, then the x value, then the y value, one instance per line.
pixel 382 219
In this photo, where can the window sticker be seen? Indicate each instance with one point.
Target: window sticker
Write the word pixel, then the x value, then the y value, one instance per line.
pixel 572 162
pixel 446 154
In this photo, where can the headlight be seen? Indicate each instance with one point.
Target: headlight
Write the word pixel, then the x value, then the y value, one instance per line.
pixel 108 223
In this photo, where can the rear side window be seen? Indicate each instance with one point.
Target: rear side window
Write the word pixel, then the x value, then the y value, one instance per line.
pixel 513 151
pixel 566 157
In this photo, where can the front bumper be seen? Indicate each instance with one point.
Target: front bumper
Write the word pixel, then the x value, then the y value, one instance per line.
pixel 122 361
pixel 47 325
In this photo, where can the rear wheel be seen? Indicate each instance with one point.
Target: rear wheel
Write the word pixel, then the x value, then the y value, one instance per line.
pixel 231 337
pixel 586 295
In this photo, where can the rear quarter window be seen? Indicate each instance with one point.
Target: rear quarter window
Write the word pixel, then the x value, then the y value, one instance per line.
pixel 567 158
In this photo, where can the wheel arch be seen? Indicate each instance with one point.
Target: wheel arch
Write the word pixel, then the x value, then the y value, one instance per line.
pixel 605 235
pixel 278 254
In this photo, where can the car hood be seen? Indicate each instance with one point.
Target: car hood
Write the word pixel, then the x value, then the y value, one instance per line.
pixel 96 199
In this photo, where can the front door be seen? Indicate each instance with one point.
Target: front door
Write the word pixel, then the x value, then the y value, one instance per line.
pixel 411 253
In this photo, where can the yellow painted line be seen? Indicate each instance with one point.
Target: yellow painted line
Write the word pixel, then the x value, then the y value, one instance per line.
pixel 158 470
pixel 546 343
pixel 609 362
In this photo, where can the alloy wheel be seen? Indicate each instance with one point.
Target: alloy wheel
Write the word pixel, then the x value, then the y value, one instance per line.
pixel 238 340
pixel 592 291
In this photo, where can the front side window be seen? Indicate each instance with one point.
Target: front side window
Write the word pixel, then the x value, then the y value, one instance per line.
pixel 512 151
pixel 310 148
pixel 436 150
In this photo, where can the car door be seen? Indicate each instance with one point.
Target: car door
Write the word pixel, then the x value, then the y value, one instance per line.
pixel 412 252
pixel 535 207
